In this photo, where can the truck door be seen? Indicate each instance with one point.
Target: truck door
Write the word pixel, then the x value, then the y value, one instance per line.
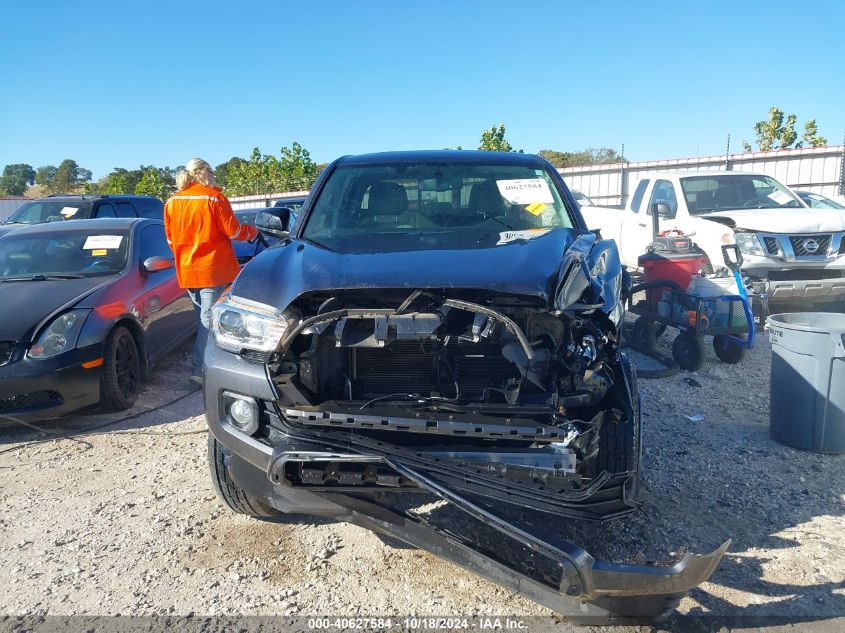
pixel 636 227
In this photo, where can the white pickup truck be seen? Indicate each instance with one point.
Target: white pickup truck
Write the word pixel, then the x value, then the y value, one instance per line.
pixel 791 252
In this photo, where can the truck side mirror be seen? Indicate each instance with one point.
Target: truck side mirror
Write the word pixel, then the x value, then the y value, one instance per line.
pixel 661 209
pixel 276 222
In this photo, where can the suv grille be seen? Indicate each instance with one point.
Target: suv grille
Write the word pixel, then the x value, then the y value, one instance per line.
pixel 30 400
pixel 772 245
pixel 800 243
pixel 6 348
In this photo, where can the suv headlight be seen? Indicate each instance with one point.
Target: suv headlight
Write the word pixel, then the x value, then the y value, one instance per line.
pixel 60 336
pixel 749 244
pixel 236 327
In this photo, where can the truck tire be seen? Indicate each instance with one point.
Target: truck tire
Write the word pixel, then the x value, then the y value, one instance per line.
pixel 618 440
pixel 728 350
pixel 120 378
pixel 233 496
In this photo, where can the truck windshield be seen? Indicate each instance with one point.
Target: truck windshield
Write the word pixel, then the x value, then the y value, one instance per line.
pixel 453 203
pixel 740 191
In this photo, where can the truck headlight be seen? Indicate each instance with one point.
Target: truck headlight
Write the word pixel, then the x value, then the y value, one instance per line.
pixel 60 336
pixel 749 244
pixel 236 327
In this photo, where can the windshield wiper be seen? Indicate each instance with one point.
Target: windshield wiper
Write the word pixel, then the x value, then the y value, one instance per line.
pixel 40 277
pixel 495 219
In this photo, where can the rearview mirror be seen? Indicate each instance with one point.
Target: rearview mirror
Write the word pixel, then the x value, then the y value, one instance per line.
pixel 276 222
pixel 661 209
pixel 157 263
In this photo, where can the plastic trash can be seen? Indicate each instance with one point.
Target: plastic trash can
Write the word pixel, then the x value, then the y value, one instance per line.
pixel 807 397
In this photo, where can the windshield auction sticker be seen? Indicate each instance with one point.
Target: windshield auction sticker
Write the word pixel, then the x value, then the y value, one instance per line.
pixel 781 197
pixel 69 212
pixel 513 236
pixel 525 191
pixel 97 242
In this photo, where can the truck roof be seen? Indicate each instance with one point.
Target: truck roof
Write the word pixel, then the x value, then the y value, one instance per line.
pixel 682 173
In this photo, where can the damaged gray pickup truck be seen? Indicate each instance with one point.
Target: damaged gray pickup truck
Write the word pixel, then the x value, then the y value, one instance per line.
pixel 433 353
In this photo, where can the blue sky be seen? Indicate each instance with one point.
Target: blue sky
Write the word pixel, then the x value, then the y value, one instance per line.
pixel 128 83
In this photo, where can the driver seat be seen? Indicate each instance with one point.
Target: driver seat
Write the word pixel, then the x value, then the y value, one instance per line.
pixel 387 204
pixel 485 199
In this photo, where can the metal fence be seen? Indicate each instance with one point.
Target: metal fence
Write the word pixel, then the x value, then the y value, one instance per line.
pixel 263 200
pixel 817 169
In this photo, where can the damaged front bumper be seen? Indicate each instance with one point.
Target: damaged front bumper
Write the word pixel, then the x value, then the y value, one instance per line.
pixel 559 575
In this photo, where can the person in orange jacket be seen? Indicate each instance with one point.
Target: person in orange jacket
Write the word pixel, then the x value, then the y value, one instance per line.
pixel 200 225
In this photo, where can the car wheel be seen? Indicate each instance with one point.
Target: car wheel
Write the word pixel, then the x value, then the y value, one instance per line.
pixel 233 496
pixel 688 351
pixel 120 381
pixel 728 350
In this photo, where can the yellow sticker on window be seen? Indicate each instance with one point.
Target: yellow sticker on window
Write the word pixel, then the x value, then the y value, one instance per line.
pixel 99 252
pixel 535 208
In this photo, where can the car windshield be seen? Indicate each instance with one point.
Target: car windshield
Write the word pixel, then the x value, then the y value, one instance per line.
pixel 70 254
pixel 719 192
pixel 458 204
pixel 40 211
pixel 815 201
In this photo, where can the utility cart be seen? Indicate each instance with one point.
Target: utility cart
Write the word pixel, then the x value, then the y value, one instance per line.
pixel 672 296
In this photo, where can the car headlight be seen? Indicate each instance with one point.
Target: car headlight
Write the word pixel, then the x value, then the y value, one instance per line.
pixel 60 336
pixel 749 244
pixel 236 327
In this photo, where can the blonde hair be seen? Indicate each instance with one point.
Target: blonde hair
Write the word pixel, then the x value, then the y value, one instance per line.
pixel 200 171
pixel 182 180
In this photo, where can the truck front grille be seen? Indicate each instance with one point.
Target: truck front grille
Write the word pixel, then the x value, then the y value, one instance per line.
pixel 810 246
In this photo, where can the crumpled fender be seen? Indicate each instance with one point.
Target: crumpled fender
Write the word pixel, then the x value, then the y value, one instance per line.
pixel 590 274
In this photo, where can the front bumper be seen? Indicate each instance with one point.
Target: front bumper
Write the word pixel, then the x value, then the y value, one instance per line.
pixel 50 388
pixel 559 575
pixel 804 290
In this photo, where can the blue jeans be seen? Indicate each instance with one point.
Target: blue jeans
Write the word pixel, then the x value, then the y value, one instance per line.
pixel 203 299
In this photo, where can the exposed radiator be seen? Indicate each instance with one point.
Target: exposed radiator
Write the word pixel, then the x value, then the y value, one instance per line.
pixel 405 367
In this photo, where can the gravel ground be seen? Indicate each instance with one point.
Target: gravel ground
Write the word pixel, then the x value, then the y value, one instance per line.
pixel 124 520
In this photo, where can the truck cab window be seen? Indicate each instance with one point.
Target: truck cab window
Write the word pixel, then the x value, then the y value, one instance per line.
pixel 638 196
pixel 664 191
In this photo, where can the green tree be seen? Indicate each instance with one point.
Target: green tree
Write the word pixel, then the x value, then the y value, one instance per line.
pixel 157 182
pixel 264 173
pixel 589 156
pixel 118 181
pixel 68 177
pixel 221 172
pixel 251 176
pixel 16 178
pixel 296 170
pixel 493 140
pixel 812 138
pixel 44 176
pixel 777 133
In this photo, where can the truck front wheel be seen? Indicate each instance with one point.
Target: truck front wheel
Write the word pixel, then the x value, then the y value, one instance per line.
pixel 233 496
